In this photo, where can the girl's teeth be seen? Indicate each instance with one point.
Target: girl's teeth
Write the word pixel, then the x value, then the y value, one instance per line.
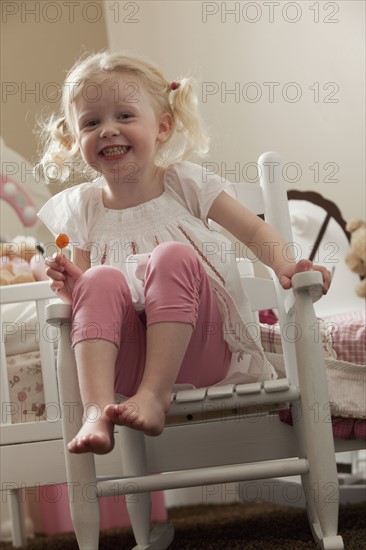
pixel 114 151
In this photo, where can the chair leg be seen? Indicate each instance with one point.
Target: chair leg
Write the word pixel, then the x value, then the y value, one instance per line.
pixel 320 484
pixel 133 454
pixel 314 432
pixel 80 469
pixel 83 499
pixel 134 462
pixel 19 536
pixel 322 514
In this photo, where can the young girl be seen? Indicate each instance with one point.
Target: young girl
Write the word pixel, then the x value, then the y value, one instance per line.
pixel 155 292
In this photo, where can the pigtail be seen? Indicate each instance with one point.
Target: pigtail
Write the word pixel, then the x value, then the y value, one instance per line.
pixel 188 123
pixel 58 160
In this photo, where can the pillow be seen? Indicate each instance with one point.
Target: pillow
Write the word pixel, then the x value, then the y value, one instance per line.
pixel 21 197
pixel 21 330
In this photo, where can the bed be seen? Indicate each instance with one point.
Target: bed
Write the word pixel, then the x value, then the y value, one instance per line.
pixel 319 230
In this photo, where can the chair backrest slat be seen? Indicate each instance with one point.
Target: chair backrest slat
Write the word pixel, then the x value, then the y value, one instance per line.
pixel 251 196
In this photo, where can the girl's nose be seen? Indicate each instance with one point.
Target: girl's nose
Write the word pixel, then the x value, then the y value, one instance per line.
pixel 109 129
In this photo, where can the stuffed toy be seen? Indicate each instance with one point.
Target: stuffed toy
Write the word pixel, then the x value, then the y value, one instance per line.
pixel 356 257
pixel 21 261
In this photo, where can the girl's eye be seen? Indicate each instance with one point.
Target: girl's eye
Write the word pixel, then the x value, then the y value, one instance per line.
pixel 91 123
pixel 125 116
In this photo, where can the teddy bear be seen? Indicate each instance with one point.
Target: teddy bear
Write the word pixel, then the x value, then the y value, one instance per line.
pixel 356 257
pixel 21 261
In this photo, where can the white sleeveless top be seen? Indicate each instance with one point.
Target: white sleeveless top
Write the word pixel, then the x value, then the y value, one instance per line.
pixel 124 239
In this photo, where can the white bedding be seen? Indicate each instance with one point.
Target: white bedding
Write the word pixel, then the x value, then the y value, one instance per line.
pixel 21 330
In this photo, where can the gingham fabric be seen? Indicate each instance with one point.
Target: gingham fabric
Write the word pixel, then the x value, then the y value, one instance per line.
pixel 343 337
pixel 349 336
pixel 343 428
pixel 344 343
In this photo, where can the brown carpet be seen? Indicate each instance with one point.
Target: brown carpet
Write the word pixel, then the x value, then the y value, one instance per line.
pixel 231 527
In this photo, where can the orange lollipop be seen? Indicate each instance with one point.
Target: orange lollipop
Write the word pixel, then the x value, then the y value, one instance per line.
pixel 62 240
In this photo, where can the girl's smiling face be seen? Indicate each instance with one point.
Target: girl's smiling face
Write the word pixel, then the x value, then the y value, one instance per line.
pixel 117 127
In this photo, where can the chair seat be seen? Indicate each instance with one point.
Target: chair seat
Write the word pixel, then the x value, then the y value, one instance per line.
pixel 230 400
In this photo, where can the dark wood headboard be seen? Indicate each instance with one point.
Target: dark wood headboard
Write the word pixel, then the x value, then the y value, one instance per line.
pixel 330 208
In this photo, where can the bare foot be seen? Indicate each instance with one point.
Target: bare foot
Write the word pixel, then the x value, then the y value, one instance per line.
pixel 143 411
pixel 94 436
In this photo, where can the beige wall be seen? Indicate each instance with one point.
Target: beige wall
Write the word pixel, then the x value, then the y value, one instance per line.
pixel 40 40
pixel 303 61
pixel 297 73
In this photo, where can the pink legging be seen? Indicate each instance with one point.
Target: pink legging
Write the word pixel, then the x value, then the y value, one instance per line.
pixel 177 289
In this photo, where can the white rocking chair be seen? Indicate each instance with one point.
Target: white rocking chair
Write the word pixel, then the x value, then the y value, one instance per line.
pixel 208 438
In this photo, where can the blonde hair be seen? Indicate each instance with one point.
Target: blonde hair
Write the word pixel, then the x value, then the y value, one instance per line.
pixel 188 136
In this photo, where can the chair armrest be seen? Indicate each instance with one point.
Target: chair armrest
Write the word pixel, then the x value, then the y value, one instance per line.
pixel 306 281
pixel 311 281
pixel 58 314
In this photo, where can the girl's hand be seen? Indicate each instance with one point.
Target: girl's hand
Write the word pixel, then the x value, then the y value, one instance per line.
pixel 287 271
pixel 63 275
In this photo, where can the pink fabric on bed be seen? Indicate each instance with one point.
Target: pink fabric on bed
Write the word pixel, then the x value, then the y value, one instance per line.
pixel 268 316
pixel 343 428
pixel 349 428
pixel 55 510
